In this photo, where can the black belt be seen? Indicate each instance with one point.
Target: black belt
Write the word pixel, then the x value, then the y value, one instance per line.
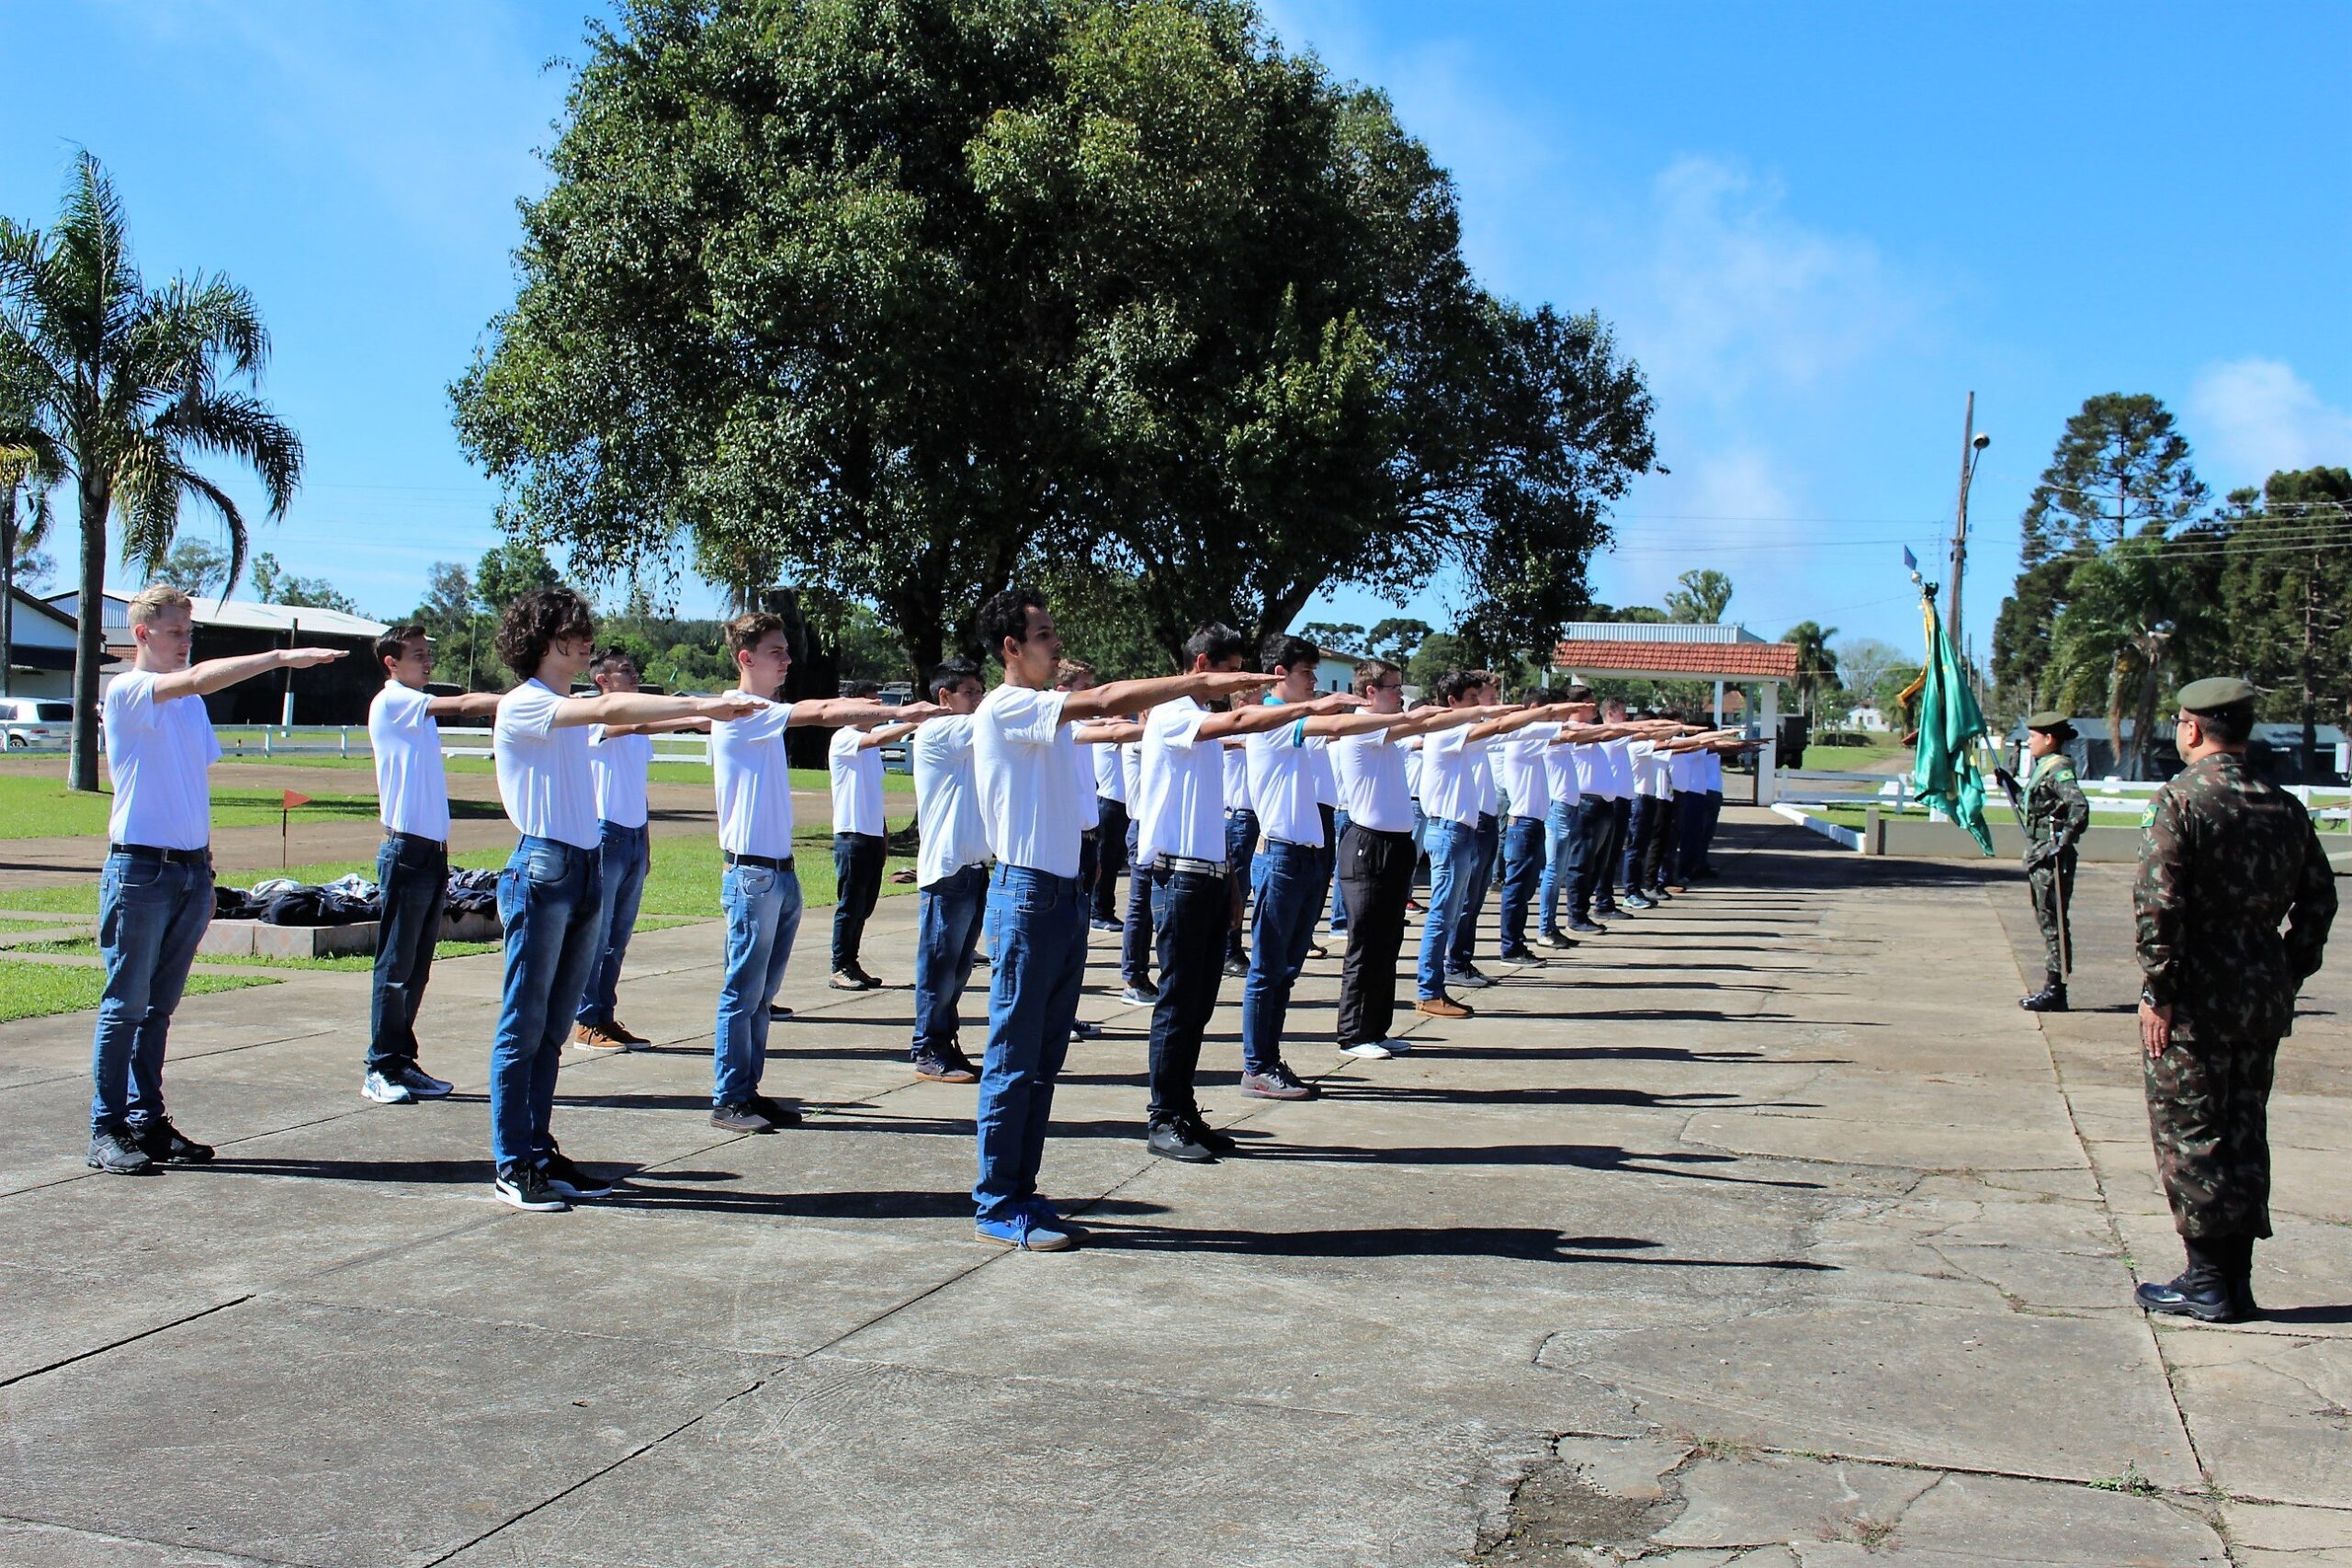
pixel 1185 866
pixel 766 862
pixel 169 857
pixel 1291 843
pixel 441 844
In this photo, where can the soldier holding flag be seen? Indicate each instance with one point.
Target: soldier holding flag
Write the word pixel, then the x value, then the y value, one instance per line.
pixel 2054 816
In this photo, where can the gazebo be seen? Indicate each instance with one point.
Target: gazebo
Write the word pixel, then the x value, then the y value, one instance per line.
pixel 1726 655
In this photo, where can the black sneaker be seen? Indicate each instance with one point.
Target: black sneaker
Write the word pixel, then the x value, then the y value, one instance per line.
pixel 1238 967
pixel 1277 1082
pixel 114 1151
pixel 525 1185
pixel 740 1117
pixel 1205 1133
pixel 1468 975
pixel 873 982
pixel 1584 927
pixel 568 1180
pixel 166 1144
pixel 944 1066
pixel 776 1112
pixel 1553 940
pixel 1520 956
pixel 1140 993
pixel 1174 1140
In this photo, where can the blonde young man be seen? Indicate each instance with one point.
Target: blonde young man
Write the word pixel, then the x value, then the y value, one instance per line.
pixel 155 893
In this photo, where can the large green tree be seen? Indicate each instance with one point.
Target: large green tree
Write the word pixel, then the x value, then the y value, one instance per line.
pixel 2021 631
pixel 135 387
pixel 904 298
pixel 2285 559
pixel 30 468
pixel 2118 472
pixel 2134 617
pixel 1700 595
pixel 1816 664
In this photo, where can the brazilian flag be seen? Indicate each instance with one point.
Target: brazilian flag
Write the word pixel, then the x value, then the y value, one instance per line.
pixel 1943 770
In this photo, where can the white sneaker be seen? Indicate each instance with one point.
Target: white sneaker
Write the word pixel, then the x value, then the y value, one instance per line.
pixel 1369 1051
pixel 1395 1046
pixel 386 1091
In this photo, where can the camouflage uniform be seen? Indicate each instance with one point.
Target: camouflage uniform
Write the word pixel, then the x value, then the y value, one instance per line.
pixel 2224 857
pixel 2055 816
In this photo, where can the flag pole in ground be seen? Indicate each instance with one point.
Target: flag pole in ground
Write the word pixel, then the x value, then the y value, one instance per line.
pixel 287 801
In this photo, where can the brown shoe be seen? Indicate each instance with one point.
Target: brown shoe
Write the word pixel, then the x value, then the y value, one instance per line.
pixel 589 1037
pixel 627 1036
pixel 1442 1006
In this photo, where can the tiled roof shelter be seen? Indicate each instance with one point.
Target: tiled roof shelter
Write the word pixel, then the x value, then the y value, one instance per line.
pixel 1644 651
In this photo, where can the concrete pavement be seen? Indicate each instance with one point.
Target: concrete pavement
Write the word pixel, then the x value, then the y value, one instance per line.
pixel 1764 1230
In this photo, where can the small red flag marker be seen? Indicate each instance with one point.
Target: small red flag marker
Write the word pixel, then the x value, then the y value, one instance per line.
pixel 287 801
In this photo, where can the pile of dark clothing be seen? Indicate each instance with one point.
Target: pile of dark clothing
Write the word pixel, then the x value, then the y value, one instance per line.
pixel 282 901
pixel 471 892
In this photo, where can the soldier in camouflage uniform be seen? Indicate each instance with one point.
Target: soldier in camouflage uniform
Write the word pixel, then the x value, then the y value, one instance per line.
pixel 2224 857
pixel 2055 816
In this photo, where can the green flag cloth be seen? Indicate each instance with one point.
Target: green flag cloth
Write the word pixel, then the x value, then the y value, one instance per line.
pixel 1943 771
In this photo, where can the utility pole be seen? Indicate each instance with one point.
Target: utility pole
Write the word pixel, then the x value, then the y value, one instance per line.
pixel 1960 527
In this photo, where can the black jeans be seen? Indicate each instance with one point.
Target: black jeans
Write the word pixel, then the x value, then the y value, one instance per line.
pixel 413 874
pixel 1134 942
pixel 858 883
pixel 1189 915
pixel 1375 879
pixel 1111 858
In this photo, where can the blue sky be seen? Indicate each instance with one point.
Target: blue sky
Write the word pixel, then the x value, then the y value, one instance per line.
pixel 1817 227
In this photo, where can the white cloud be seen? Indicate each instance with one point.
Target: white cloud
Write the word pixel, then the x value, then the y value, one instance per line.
pixel 2255 416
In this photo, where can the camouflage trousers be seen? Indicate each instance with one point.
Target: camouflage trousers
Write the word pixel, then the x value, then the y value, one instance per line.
pixel 2209 1107
pixel 2052 887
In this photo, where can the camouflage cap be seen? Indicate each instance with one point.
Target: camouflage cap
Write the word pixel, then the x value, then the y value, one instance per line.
pixel 2215 692
pixel 2052 720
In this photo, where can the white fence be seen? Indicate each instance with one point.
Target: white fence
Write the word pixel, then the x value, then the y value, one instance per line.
pixel 351 741
pixel 2330 804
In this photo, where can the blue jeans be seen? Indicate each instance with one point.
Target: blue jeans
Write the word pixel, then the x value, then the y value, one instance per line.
pixel 1134 942
pixel 1113 852
pixel 152 914
pixel 412 876
pixel 1640 840
pixel 1038 938
pixel 1560 864
pixel 549 897
pixel 624 858
pixel 947 934
pixel 1337 826
pixel 1289 893
pixel 1190 914
pixel 1486 838
pixel 1454 849
pixel 1240 858
pixel 763 909
pixel 1522 864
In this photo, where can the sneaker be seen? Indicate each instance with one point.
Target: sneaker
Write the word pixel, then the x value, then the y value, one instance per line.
pixel 596 1037
pixel 938 1066
pixel 1277 1082
pixel 848 980
pixel 386 1091
pixel 1142 994
pixel 525 1185
pixel 778 1011
pixel 1468 975
pixel 1043 1212
pixel 1584 927
pixel 1082 1030
pixel 1553 940
pixel 1317 950
pixel 566 1179
pixel 1599 908
pixel 1103 925
pixel 112 1150
pixel 1238 967
pixel 166 1144
pixel 1024 1232
pixel 1368 1051
pixel 422 1084
pixel 1173 1140
pixel 1521 956
pixel 1203 1133
pixel 1399 1045
pixel 873 983
pixel 775 1110
pixel 1635 901
pixel 1441 1007
pixel 628 1036
pixel 1415 907
pixel 742 1117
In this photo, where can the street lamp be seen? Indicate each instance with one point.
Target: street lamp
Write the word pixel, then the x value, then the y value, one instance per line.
pixel 1976 441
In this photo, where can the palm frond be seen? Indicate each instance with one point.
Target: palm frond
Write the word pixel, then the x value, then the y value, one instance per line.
pixel 147 497
pixel 233 424
pixel 232 523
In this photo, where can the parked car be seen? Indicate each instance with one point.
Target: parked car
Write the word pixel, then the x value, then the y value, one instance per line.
pixel 35 721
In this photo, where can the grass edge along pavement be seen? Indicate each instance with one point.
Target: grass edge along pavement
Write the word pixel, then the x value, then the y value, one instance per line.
pixel 43 991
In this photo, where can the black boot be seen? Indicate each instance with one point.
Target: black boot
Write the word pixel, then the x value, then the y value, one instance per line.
pixel 2201 1292
pixel 2237 1273
pixel 2051 998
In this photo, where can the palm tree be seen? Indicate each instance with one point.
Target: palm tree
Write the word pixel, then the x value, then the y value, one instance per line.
pixel 2114 640
pixel 29 470
pixel 1817 666
pixel 127 383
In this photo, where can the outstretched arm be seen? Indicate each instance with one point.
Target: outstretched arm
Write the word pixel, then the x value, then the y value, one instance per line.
pixel 666 726
pixel 213 675
pixel 1274 715
pixel 886 733
pixel 841 713
pixel 471 705
pixel 1106 733
pixel 1134 696
pixel 644 707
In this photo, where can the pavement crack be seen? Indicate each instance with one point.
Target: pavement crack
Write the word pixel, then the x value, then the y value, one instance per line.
pixel 127 1340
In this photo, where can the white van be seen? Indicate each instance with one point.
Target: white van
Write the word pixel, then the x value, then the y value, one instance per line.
pixel 36 721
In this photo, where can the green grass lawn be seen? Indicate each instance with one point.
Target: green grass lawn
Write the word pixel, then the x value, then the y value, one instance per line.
pixel 682 883
pixel 662 772
pixel 37 990
pixel 9 928
pixel 1852 816
pixel 1820 759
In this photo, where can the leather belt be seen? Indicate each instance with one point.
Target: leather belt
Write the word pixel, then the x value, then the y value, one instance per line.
pixel 169 857
pixel 765 862
pixel 419 839
pixel 1186 865
pixel 1291 843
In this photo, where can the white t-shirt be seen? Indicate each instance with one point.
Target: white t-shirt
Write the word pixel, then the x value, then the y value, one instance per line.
pixel 1235 762
pixel 1712 781
pixel 1560 767
pixel 1649 768
pixel 619 764
pixel 947 801
pixel 1449 774
pixel 856 770
pixel 1683 771
pixel 1183 785
pixel 1109 772
pixel 1592 763
pixel 1482 764
pixel 543 769
pixel 1028 782
pixel 1617 760
pixel 158 754
pixel 1282 781
pixel 1412 749
pixel 754 783
pixel 1326 783
pixel 1131 773
pixel 1370 772
pixel 1081 763
pixel 1524 775
pixel 411 792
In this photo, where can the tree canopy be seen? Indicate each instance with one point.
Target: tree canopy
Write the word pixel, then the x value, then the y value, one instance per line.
pixel 903 298
pixel 1699 596
pixel 2119 470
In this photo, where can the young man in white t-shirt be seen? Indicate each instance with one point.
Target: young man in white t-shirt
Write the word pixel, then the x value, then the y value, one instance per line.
pixel 412 866
pixel 951 873
pixel 156 892
pixel 760 891
pixel 1024 762
pixel 551 894
pixel 620 758
pixel 861 834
